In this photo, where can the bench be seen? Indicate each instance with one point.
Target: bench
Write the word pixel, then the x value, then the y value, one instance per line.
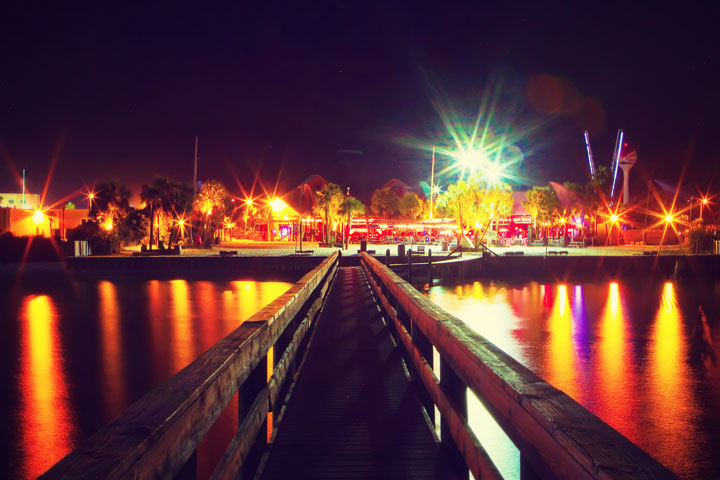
pixel 513 254
pixel 421 249
pixel 557 252
pixel 228 253
pixel 576 244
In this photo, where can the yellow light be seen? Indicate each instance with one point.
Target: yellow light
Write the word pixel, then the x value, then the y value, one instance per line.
pixel 91 196
pixel 108 226
pixel 181 222
pixel 38 217
pixel 613 218
pixel 248 202
pixel 668 218
pixel 277 205
pixel 704 201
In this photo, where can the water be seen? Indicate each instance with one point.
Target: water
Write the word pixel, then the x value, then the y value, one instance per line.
pixel 642 356
pixel 75 354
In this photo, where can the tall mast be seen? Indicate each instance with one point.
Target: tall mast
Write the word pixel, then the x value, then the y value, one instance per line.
pixel 591 162
pixel 616 160
pixel 432 182
pixel 23 199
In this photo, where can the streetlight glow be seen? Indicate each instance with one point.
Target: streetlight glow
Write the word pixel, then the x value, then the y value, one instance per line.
pixel 668 218
pixel 38 217
pixel 277 205
pixel 472 159
pixel 614 218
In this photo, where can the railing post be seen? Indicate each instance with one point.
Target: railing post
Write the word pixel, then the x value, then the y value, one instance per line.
pixel 248 391
pixel 456 393
pixel 387 257
pixel 409 266
pixel 426 350
pixel 430 278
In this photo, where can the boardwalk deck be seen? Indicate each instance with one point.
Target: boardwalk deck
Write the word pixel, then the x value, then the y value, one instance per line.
pixel 353 412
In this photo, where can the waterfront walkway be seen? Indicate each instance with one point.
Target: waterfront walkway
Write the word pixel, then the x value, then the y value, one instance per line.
pixel 353 412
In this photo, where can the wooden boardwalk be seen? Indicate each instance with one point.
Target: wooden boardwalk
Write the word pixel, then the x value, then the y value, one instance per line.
pixel 353 412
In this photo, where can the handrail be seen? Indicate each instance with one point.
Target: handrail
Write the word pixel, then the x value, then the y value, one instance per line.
pixel 158 435
pixel 556 436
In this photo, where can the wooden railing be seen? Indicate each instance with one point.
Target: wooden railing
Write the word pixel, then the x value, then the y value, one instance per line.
pixel 158 435
pixel 556 436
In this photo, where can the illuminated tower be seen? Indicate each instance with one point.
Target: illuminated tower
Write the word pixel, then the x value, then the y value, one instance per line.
pixel 626 163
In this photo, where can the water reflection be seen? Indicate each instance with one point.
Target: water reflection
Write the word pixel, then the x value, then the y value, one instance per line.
pixel 114 390
pixel 625 353
pixel 561 365
pixel 48 424
pixel 615 382
pixel 670 384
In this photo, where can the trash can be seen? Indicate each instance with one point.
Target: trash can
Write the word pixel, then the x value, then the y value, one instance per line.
pixel 401 250
pixel 363 245
pixel 444 246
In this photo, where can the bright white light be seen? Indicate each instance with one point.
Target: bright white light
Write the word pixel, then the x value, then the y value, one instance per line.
pixel 471 159
pixel 38 217
pixel 494 172
pixel 277 205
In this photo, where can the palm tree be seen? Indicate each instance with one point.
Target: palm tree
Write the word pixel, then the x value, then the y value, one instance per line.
pixel 541 203
pixel 152 196
pixel 350 207
pixel 329 201
pixel 210 204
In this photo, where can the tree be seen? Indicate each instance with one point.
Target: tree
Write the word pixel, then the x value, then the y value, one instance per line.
pixel 351 206
pixel 111 204
pixel 542 204
pixel 385 202
pixel 460 200
pixel 152 196
pixel 112 199
pixel 209 206
pixel 70 206
pixel 410 206
pixel 495 203
pixel 329 200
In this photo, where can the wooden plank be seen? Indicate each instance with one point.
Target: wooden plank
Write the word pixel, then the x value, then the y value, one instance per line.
pixel 353 413
pixel 156 435
pixel 476 458
pixel 553 432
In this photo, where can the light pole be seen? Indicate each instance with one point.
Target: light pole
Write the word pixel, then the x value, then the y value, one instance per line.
pixel 432 181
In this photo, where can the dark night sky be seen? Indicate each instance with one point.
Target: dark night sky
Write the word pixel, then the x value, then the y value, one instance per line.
pixel 120 92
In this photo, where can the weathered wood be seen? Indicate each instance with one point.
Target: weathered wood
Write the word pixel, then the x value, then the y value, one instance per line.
pixel 474 455
pixel 555 434
pixel 242 443
pixel 156 435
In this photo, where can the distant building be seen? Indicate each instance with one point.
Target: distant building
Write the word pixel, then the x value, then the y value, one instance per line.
pixel 53 222
pixel 15 200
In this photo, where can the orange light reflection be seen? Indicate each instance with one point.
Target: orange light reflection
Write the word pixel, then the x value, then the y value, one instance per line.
pixel 669 377
pixel 616 384
pixel 111 340
pixel 183 348
pixel 561 369
pixel 48 425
